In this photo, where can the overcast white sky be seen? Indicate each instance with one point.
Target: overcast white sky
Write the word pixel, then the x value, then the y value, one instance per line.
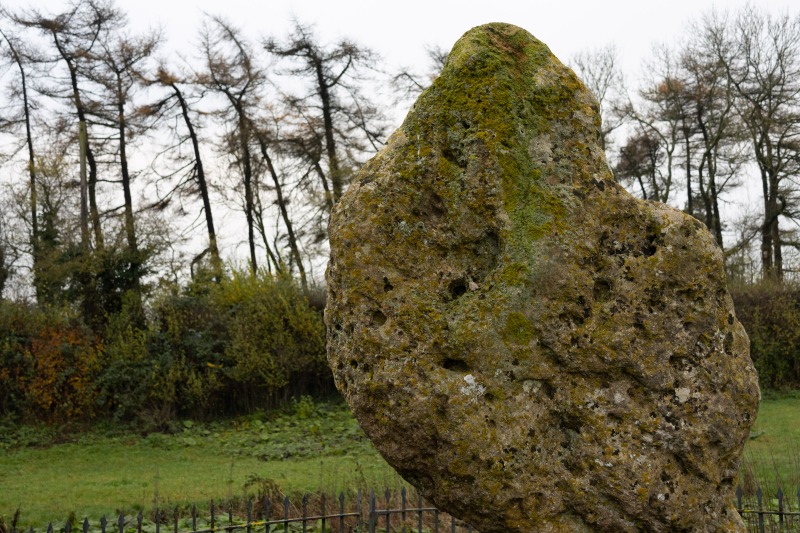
pixel 400 30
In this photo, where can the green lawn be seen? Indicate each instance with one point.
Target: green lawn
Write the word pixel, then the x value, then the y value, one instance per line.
pixel 303 451
pixel 772 455
pixel 315 447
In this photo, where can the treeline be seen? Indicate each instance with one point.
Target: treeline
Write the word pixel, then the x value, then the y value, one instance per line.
pixel 272 129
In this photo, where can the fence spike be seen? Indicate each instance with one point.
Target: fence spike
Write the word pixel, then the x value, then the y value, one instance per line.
pixel 739 498
pixel 157 519
pixel 212 515
pixel 49 528
pixel 103 523
pixel 139 518
pixel 85 524
pixel 230 513
pixel 121 523
pixel 175 516
pixel 194 518
pixel 68 526
pixel 780 508
pixel 452 524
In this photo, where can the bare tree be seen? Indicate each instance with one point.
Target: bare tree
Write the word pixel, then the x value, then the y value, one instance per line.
pixel 119 60
pixel 761 56
pixel 663 113
pixel 334 121
pixel 74 33
pixel 19 53
pixel 232 71
pixel 710 96
pixel 408 84
pixel 190 172
pixel 599 69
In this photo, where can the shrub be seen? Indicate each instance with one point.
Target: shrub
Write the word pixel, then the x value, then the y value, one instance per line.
pixel 771 315
pixel 48 364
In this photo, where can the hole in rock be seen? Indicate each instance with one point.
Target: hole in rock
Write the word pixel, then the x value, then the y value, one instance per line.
pixel 378 318
pixel 453 157
pixel 601 289
pixel 386 285
pixel 458 288
pixel 455 365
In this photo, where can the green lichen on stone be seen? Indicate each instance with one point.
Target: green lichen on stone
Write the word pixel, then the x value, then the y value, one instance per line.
pixel 521 338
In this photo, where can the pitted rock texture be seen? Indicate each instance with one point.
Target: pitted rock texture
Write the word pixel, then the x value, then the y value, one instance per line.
pixel 529 345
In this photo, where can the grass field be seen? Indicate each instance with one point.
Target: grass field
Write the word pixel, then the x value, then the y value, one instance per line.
pixel 772 455
pixel 316 446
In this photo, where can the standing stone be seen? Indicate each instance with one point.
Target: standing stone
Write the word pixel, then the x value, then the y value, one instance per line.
pixel 529 345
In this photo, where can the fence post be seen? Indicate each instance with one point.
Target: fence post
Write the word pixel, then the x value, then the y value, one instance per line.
pixel 388 496
pixel 304 502
pixel 249 515
pixel 403 508
pixel 68 526
pixel 86 525
pixel 739 500
pixel 103 523
pixel 266 513
pixel 780 509
pixel 358 511
pixel 213 515
pixel 121 523
pixel 759 497
pixel 436 520
pixel 419 512
pixel 175 516
pixel 194 518
pixel 139 522
pixel 372 515
pixel 286 514
pixel 157 518
pixel 323 504
pixel 452 524
pixel 341 512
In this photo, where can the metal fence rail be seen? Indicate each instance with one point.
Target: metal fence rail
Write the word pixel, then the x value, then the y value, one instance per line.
pixel 391 512
pixel 765 518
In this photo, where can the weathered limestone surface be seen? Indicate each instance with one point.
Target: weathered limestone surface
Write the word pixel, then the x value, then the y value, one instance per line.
pixel 523 340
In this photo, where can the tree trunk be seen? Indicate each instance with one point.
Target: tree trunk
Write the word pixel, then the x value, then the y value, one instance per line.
pixel 293 247
pixel 130 230
pixel 244 146
pixel 91 182
pixel 330 144
pixel 200 175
